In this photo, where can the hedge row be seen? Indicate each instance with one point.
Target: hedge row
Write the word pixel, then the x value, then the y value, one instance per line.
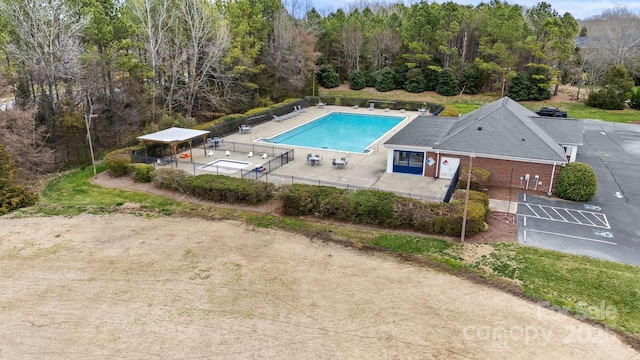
pixel 393 105
pixel 214 187
pixel 383 208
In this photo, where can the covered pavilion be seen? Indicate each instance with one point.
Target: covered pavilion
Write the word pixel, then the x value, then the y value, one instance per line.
pixel 175 136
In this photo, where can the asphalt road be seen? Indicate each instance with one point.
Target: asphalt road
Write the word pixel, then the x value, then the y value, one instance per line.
pixel 608 227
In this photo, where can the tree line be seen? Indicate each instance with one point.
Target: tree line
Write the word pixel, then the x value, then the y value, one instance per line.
pixel 130 66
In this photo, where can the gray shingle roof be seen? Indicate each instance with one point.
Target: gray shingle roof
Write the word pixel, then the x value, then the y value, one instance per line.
pixel 563 131
pixel 423 131
pixel 502 128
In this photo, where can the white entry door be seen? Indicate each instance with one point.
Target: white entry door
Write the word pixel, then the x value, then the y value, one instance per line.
pixel 448 167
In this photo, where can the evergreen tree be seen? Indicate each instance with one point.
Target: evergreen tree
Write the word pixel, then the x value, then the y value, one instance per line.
pixel 431 77
pixel 328 77
pixel 531 85
pixel 415 81
pixel 447 83
pixel 385 80
pixel 471 79
pixel 615 89
pixel 357 80
pixel 519 88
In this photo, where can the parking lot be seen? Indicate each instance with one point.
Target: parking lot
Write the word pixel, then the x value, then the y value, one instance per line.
pixel 606 227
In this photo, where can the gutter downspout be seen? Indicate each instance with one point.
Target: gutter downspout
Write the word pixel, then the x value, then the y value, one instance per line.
pixel 553 173
pixel 437 164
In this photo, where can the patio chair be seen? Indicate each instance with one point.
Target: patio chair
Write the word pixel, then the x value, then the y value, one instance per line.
pixel 333 162
pixel 371 106
pixel 278 118
pixel 209 153
pixel 321 104
pixel 309 156
pixel 227 153
pixel 250 154
pixel 265 155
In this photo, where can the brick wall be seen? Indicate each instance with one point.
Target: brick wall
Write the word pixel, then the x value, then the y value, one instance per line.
pixel 506 173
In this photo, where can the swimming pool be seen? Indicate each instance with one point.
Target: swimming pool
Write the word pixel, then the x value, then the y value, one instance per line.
pixel 339 131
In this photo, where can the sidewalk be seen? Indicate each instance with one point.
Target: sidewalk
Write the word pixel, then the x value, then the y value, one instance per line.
pixel 503 206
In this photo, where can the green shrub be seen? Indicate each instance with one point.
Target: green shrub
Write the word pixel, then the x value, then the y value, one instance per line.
pixel 228 189
pixel 449 110
pixel 142 172
pixel 634 102
pixel 300 199
pixel 385 80
pixel 479 178
pixel 328 77
pixel 171 179
pixel 12 195
pixel 118 162
pixel 357 80
pixel 15 197
pixel 373 207
pixel 415 84
pixel 474 196
pixel 577 181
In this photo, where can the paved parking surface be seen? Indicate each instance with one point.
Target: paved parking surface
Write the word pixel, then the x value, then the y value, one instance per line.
pixel 608 227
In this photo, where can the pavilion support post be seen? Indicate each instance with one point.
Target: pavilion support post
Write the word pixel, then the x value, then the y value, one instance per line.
pixel 191 150
pixel 174 148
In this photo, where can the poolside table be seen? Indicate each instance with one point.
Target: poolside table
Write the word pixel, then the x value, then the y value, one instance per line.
pixel 340 163
pixel 314 160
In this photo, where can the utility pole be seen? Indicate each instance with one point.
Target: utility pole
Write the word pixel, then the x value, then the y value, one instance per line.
pixel 466 199
pixel 87 121
pixel 93 160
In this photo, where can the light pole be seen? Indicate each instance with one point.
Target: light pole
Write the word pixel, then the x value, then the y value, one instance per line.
pixel 87 118
pixel 466 200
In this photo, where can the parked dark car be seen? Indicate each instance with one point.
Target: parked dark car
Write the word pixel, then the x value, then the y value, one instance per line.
pixel 551 112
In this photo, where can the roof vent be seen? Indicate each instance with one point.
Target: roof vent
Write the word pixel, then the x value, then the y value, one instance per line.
pixel 479 128
pixel 522 139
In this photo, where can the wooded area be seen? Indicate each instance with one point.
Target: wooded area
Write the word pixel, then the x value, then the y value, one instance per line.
pixel 133 66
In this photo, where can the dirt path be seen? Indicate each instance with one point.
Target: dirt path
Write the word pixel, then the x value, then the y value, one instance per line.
pixel 124 286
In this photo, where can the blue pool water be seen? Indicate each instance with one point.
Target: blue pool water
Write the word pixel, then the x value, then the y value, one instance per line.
pixel 339 131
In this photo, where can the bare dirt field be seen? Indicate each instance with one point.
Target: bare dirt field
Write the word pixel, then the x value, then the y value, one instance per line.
pixel 126 286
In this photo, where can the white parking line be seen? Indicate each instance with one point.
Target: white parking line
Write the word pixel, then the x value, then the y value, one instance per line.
pixel 580 217
pixel 569 236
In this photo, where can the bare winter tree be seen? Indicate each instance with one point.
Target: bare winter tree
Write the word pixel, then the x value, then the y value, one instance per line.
pixel 290 54
pixel 351 44
pixel 25 139
pixel 385 45
pixel 155 19
pixel 613 38
pixel 45 43
pixel 206 42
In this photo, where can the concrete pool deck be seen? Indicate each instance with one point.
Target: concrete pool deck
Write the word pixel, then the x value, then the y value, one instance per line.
pixel 362 170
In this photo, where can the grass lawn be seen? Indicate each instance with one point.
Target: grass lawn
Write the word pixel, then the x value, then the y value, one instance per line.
pixel 73 193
